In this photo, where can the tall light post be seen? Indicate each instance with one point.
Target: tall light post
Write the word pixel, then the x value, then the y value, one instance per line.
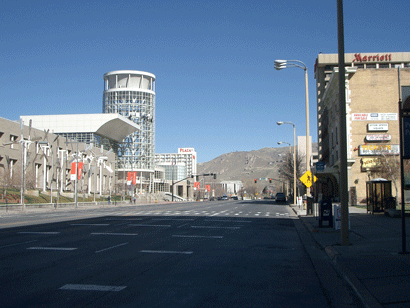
pixel 281 142
pixel 282 64
pixel 294 158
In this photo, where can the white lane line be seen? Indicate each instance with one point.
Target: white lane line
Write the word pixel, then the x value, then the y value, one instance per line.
pixel 228 220
pixel 90 224
pixel 91 287
pixel 211 227
pixel 17 244
pixel 112 247
pixel 124 219
pixel 142 225
pixel 183 225
pixel 108 233
pixel 51 248
pixel 197 236
pixel 176 219
pixel 39 232
pixel 167 251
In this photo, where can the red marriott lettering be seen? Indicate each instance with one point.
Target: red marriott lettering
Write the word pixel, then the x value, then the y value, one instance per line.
pixel 358 57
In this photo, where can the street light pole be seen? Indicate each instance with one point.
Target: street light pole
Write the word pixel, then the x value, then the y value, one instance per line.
pixel 294 159
pixel 282 64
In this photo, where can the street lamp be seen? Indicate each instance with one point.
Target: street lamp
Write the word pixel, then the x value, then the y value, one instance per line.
pixel 281 142
pixel 294 158
pixel 282 64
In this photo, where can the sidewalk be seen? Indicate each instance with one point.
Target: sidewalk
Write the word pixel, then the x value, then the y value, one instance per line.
pixel 372 263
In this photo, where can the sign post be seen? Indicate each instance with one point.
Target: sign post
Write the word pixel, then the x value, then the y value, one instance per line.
pixel 404 122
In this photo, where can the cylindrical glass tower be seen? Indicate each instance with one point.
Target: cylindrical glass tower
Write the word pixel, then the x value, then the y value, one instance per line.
pixel 132 94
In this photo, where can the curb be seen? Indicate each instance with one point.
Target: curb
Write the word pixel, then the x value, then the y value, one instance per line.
pixel 367 299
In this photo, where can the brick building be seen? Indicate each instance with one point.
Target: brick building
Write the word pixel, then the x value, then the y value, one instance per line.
pixel 374 84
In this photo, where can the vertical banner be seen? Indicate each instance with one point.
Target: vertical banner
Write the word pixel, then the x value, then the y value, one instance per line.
pixel 129 178
pixel 196 185
pixel 208 188
pixel 79 170
pixel 134 178
pixel 72 176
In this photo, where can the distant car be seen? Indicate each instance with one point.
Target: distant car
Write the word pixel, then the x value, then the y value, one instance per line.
pixel 234 197
pixel 225 198
pixel 280 197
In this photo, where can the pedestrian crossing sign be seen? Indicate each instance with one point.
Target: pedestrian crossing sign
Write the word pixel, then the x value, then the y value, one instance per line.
pixel 307 178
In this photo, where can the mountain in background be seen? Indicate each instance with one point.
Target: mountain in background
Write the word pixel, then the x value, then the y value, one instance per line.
pixel 246 166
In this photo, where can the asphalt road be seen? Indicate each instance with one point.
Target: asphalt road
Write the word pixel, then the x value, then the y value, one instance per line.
pixel 204 254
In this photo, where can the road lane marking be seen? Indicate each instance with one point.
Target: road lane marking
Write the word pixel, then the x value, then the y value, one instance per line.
pixel 167 251
pixel 109 233
pixel 51 248
pixel 142 225
pixel 183 225
pixel 124 219
pixel 90 225
pixel 112 247
pixel 211 227
pixel 197 236
pixel 228 220
pixel 39 232
pixel 17 244
pixel 91 287
pixel 176 219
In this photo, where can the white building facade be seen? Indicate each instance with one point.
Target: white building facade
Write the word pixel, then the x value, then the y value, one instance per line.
pixel 132 94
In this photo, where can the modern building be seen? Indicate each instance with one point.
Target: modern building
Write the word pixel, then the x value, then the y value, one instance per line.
pixel 179 167
pixel 48 162
pixel 374 84
pixel 185 158
pixel 132 94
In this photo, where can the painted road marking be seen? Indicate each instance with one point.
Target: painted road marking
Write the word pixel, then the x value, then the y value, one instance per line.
pixel 90 224
pixel 39 232
pixel 108 233
pixel 17 244
pixel 211 227
pixel 124 219
pixel 51 248
pixel 167 251
pixel 228 220
pixel 142 225
pixel 112 247
pixel 91 287
pixel 176 219
pixel 198 236
pixel 183 225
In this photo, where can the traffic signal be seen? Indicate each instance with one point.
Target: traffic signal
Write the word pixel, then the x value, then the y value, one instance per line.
pixel 270 180
pixel 256 181
pixel 214 176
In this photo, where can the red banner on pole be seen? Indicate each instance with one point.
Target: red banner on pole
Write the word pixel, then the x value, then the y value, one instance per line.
pixel 134 178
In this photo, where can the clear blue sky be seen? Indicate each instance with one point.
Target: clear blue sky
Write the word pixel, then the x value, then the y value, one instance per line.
pixel 216 86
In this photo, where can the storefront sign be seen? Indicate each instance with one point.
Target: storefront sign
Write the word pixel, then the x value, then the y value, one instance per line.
pixel 374 116
pixel 379 149
pixel 384 137
pixel 377 127
pixel 372 58
pixel 368 163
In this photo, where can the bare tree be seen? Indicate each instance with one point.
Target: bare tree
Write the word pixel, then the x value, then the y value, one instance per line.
pixel 286 168
pixel 388 167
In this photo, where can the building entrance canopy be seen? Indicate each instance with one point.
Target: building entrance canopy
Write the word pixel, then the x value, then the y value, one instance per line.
pixel 108 125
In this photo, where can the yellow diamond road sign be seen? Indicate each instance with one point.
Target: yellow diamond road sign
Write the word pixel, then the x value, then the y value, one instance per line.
pixel 307 179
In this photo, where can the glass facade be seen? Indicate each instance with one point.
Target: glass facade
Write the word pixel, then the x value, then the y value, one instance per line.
pixel 131 94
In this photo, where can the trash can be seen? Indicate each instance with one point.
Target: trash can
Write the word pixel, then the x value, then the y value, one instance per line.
pixel 309 206
pixel 325 213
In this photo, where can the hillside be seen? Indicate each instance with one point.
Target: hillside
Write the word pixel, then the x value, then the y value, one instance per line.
pixel 245 166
